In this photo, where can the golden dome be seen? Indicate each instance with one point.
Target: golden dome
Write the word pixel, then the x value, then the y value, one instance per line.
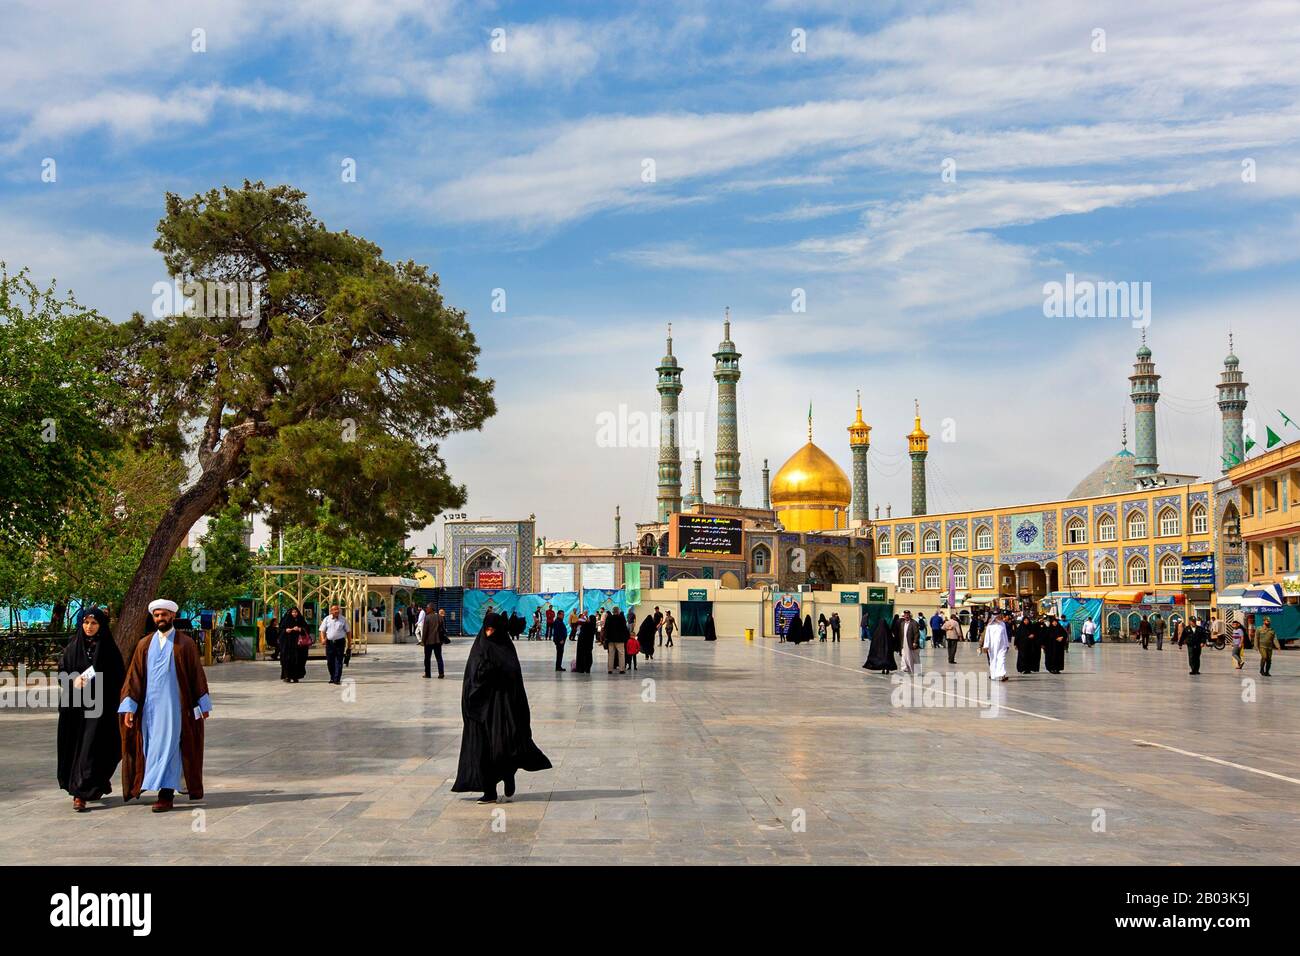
pixel 810 477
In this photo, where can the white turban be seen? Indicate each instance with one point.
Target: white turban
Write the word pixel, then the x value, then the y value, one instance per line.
pixel 164 604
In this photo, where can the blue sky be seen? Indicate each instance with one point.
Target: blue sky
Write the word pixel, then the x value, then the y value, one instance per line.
pixel 775 170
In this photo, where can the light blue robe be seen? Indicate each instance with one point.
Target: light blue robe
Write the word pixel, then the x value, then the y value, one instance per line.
pixel 160 728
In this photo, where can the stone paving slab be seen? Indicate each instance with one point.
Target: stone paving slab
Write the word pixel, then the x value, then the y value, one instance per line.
pixel 731 752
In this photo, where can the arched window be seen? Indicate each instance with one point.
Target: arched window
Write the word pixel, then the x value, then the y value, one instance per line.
pixel 957 540
pixel 1137 525
pixel 905 543
pixel 1171 569
pixel 1200 520
pixel 931 579
pixel 930 542
pixel 984 538
pixel 1076 532
pixel 883 544
pixel 859 566
pixel 1137 570
pixel 984 577
pixel 906 580
pixel 1168 522
pixel 761 559
pixel 959 578
pixel 1106 572
pixel 1106 528
pixel 1078 574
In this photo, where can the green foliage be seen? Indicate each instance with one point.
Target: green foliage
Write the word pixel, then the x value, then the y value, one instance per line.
pixel 327 543
pixel 54 435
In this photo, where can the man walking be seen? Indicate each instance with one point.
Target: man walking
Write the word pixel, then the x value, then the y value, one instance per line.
pixel 909 639
pixel 835 627
pixel 1266 641
pixel 1193 638
pixel 616 635
pixel 338 638
pixel 1089 628
pixel 936 628
pixel 432 629
pixel 952 634
pixel 659 625
pixel 1160 633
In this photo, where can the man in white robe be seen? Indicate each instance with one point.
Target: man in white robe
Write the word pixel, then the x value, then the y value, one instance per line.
pixel 909 636
pixel 995 645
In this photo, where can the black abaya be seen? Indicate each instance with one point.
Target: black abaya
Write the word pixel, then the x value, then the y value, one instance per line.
pixel 880 656
pixel 1054 649
pixel 1028 647
pixel 497 740
pixel 710 632
pixel 89 741
pixel 586 637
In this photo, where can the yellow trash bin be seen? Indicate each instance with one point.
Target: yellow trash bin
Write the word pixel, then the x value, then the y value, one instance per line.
pixel 749 633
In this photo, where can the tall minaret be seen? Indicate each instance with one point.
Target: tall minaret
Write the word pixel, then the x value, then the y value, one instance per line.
pixel 1232 403
pixel 767 482
pixel 918 447
pixel 618 533
pixel 859 443
pixel 670 456
pixel 694 498
pixel 726 458
pixel 1145 392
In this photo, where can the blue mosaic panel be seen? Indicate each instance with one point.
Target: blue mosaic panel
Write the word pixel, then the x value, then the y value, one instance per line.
pixel 1174 501
pixel 1132 506
pixel 1163 549
pixel 1068 513
pixel 1129 553
pixel 1104 509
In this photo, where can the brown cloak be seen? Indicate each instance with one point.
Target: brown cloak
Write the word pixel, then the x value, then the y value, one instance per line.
pixel 193 684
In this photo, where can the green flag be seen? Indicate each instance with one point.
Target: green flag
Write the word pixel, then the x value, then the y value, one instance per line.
pixel 1286 419
pixel 1250 443
pixel 1272 437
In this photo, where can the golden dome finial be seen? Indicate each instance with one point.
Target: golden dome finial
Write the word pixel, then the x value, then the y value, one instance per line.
pixel 918 440
pixel 859 431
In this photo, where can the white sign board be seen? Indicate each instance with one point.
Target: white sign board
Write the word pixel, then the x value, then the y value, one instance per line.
pixel 887 570
pixel 557 577
pixel 598 576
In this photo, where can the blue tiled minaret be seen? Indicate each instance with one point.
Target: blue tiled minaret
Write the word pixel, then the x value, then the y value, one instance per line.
pixel 859 444
pixel 1145 392
pixel 670 456
pixel 726 458
pixel 1232 404
pixel 918 449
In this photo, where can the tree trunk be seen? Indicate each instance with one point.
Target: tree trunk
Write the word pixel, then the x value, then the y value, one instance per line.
pixel 133 620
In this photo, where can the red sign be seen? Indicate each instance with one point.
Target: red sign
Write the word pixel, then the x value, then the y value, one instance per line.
pixel 490 580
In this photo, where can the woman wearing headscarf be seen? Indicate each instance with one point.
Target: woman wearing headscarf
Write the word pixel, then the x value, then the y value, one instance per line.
pixel 497 740
pixel 293 659
pixel 91 674
pixel 586 638
pixel 880 655
pixel 645 636
pixel 710 631
pixel 821 628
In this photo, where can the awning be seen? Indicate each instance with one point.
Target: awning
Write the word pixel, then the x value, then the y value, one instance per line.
pixel 1265 599
pixel 1231 595
pixel 1121 597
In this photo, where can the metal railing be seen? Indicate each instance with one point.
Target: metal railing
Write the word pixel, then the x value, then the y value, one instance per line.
pixel 37 650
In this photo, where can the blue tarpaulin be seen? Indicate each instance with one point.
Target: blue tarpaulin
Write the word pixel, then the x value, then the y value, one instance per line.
pixel 1074 611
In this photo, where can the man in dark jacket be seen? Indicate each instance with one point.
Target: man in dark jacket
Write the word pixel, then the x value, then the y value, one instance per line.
pixel 615 640
pixel 1194 636
pixel 433 634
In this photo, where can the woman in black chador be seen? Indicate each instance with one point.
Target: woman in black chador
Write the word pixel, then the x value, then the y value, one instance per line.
pixel 498 737
pixel 880 656
pixel 1054 638
pixel 89 743
pixel 710 632
pixel 1028 646
pixel 293 658
pixel 586 638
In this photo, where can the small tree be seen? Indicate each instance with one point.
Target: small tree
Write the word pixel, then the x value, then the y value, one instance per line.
pixel 339 384
pixel 54 432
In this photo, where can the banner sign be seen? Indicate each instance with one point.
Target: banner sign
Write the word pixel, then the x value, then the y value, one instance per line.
pixel 1198 571
pixel 632 582
pixel 557 577
pixel 599 577
pixel 489 580
pixel 706 534
pixel 785 608
pixel 877 595
pixel 849 597
pixel 697 594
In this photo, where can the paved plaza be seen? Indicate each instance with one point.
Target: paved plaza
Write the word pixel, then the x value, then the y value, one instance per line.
pixel 736 753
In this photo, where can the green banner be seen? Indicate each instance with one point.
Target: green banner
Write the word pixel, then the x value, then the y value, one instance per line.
pixel 848 597
pixel 877 595
pixel 632 582
pixel 697 594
